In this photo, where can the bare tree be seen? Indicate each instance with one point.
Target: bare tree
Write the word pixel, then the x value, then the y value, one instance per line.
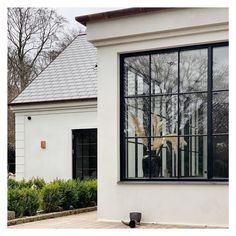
pixel 35 37
pixel 66 38
pixel 31 33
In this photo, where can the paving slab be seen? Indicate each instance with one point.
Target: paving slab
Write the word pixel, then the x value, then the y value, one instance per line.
pixel 87 220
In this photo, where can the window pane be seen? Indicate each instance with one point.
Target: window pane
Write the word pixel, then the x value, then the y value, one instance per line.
pixel 220 115
pixel 193 70
pixel 137 117
pixel 136 75
pixel 164 73
pixel 193 114
pixel 220 68
pixel 193 156
pixel 136 158
pixel 164 157
pixel 220 156
pixel 164 115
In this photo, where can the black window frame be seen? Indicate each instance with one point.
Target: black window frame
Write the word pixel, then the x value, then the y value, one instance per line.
pixel 209 134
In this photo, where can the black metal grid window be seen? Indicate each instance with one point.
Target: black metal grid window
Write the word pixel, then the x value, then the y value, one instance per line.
pixel 174 114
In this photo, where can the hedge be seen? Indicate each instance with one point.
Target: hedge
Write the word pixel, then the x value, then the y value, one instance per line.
pixel 52 197
pixel 25 201
pixel 28 197
pixel 36 183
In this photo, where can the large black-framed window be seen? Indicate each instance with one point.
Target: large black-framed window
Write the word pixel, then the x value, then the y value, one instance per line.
pixel 174 114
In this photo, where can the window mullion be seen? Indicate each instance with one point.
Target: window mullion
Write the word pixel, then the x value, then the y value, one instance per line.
pixel 178 119
pixel 209 117
pixel 150 120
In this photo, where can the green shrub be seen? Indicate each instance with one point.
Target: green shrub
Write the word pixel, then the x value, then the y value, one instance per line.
pixel 87 193
pixel 25 201
pixel 15 202
pixel 25 184
pixel 52 197
pixel 30 201
pixel 92 186
pixel 12 184
pixel 69 194
pixel 38 183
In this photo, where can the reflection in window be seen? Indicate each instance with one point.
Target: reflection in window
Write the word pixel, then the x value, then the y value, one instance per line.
pixel 137 120
pixel 220 68
pixel 192 156
pixel 164 114
pixel 173 125
pixel 136 151
pixel 193 70
pixel 220 115
pixel 193 114
pixel 220 154
pixel 164 73
pixel 137 75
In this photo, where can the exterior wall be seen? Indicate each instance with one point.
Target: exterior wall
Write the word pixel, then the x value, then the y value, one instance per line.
pixel 53 125
pixel 178 203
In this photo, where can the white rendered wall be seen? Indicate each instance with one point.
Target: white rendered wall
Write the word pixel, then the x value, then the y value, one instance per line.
pixel 55 127
pixel 173 203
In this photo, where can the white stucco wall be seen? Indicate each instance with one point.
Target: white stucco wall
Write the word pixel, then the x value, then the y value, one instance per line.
pixel 53 124
pixel 174 203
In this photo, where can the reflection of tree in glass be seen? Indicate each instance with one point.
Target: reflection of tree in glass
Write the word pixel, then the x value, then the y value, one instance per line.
pixel 164 73
pixel 193 70
pixel 220 114
pixel 193 77
pixel 220 68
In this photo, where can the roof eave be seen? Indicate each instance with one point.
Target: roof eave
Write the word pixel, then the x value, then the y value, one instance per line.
pixel 53 101
pixel 114 14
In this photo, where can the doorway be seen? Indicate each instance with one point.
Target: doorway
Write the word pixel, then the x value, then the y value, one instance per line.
pixel 84 153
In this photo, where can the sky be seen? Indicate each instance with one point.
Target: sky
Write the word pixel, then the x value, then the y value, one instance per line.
pixel 71 13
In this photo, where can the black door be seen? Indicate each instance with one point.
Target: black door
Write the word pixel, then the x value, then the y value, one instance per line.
pixel 84 153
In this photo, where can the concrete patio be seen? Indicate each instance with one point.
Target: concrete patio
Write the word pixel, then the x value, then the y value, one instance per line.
pixel 86 221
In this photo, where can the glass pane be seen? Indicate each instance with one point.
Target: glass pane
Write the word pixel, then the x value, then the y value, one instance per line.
pixel 220 115
pixel 193 114
pixel 220 68
pixel 136 75
pixel 164 157
pixel 164 115
pixel 220 156
pixel 164 73
pixel 93 149
pixel 193 70
pixel 137 117
pixel 93 137
pixel 193 156
pixel 136 158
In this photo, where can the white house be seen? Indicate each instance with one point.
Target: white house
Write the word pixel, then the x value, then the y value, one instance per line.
pixel 155 90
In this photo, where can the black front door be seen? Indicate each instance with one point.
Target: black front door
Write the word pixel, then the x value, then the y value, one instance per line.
pixel 84 153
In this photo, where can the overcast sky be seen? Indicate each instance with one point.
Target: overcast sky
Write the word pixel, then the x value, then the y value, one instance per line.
pixel 71 13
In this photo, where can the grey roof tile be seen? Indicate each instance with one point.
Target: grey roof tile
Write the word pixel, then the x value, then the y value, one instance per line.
pixel 72 75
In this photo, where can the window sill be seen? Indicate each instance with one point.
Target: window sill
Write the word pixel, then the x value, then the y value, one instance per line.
pixel 175 182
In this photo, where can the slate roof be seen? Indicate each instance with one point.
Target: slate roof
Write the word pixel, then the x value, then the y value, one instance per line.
pixel 72 75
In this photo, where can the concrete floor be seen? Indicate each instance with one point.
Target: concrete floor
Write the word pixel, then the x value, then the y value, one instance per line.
pixel 85 221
